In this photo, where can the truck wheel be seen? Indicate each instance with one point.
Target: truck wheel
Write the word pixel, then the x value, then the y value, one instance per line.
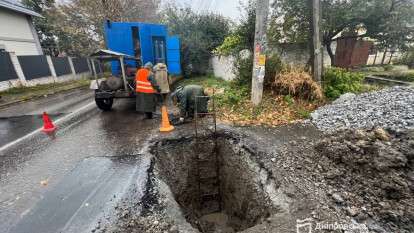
pixel 104 104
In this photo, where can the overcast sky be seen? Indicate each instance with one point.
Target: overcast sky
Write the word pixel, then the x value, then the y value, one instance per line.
pixel 228 8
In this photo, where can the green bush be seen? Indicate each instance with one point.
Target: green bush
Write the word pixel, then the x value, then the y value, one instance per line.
pixel 273 66
pixel 244 69
pixel 407 58
pixel 230 46
pixel 339 81
pixel 289 100
pixel 200 34
pixel 388 67
pixel 233 95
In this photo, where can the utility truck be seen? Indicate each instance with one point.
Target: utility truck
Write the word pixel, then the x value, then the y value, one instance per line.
pixel 131 44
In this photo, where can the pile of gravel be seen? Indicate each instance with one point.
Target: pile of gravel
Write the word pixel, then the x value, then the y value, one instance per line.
pixel 389 108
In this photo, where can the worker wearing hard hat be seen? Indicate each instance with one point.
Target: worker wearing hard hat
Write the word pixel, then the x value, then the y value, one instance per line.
pixel 147 89
pixel 185 98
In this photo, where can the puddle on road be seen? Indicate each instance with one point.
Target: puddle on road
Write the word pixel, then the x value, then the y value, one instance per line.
pixel 12 128
pixel 243 200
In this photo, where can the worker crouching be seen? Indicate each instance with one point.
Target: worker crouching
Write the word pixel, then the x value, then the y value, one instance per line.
pixel 147 89
pixel 185 98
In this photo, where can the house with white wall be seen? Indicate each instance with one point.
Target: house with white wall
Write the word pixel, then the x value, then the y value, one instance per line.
pixel 17 32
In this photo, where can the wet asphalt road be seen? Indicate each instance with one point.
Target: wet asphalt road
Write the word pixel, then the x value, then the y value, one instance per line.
pixel 18 120
pixel 63 184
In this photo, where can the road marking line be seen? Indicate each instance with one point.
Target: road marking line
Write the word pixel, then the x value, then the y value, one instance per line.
pixel 70 115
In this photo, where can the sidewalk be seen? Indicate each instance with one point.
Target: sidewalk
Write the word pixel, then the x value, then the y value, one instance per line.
pixel 21 94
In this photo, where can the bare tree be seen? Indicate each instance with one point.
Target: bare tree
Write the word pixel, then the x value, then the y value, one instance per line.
pixel 79 23
pixel 140 10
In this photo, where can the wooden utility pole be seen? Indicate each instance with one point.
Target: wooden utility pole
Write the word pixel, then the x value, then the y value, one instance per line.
pixel 317 45
pixel 259 59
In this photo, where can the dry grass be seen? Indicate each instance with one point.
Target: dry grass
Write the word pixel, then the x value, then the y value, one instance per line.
pixel 26 93
pixel 233 104
pixel 297 83
pixel 273 111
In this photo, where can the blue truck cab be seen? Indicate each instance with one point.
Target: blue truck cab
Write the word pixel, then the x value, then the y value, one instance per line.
pixel 145 41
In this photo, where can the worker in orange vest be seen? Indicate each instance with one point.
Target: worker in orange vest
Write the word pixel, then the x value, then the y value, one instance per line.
pixel 147 89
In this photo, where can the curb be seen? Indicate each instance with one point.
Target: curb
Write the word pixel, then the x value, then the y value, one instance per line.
pixel 5 105
pixel 387 80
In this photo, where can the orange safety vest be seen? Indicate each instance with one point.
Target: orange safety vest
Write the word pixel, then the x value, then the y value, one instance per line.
pixel 142 83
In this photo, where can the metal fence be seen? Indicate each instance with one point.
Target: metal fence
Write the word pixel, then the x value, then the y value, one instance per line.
pixel 80 65
pixel 98 67
pixel 41 69
pixel 34 66
pixel 7 71
pixel 62 66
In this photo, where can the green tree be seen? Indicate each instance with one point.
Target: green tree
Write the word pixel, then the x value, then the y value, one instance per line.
pixel 76 26
pixel 388 21
pixel 200 34
pixel 43 25
pixel 242 38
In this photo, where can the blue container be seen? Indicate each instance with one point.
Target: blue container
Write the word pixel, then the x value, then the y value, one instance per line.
pixel 150 42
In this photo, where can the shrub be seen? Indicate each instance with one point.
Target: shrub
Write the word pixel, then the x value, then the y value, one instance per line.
pixel 243 66
pixel 273 67
pixel 200 34
pixel 244 69
pixel 339 81
pixel 230 46
pixel 234 95
pixel 388 67
pixel 297 83
pixel 407 58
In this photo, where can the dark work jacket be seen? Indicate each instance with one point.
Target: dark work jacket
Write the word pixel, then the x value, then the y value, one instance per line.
pixel 187 100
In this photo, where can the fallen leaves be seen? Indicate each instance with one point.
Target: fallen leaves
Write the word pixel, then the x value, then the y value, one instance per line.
pixel 273 111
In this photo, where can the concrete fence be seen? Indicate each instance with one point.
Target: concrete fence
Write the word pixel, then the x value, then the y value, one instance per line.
pixel 294 55
pixel 223 67
pixel 17 71
pixel 379 59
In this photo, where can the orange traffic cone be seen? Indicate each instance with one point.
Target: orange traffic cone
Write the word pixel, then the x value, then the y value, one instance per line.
pixel 48 126
pixel 165 124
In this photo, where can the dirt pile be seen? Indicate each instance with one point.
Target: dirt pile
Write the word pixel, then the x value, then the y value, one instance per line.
pixel 372 176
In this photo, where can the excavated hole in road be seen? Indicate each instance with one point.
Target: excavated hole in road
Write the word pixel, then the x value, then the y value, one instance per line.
pixel 243 199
